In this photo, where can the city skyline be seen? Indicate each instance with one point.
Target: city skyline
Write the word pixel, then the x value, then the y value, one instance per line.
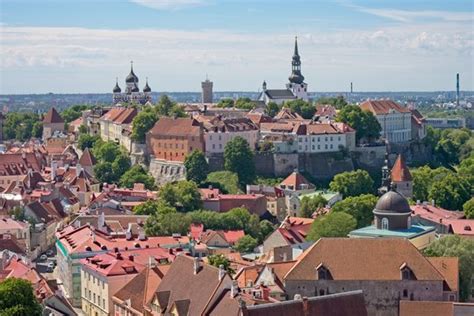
pixel 394 46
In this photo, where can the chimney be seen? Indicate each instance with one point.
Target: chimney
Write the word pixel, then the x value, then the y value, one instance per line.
pixel 305 305
pixel 234 289
pixel 196 265
pixel 130 257
pixel 221 272
pixel 141 235
pixel 128 234
pixel 54 166
pixel 151 262
pixel 418 202
pixel 433 202
pixel 101 221
pixel 297 297
pixel 457 90
pixel 93 235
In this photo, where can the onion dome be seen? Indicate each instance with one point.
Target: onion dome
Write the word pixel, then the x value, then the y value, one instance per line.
pixel 147 87
pixel 135 88
pixel 296 76
pixel 117 88
pixel 131 78
pixel 392 202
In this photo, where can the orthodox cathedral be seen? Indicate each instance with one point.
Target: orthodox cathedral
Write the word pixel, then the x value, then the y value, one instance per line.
pixel 295 89
pixel 132 93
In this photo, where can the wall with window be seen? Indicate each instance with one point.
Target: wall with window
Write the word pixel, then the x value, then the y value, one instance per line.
pixel 216 141
pixel 321 143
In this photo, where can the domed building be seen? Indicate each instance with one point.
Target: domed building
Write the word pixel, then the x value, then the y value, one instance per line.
pixel 393 219
pixel 132 93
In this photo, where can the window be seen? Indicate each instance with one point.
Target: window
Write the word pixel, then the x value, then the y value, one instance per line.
pixel 103 303
pixel 319 139
pixel 321 292
pixel 330 138
pixel 384 223
pixel 405 293
pixel 94 298
pixel 319 146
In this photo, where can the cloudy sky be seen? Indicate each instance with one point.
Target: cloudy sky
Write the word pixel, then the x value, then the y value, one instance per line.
pixel 70 46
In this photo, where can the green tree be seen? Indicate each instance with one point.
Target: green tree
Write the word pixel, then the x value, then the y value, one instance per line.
pixel 225 103
pixel 104 173
pixel 265 229
pixel 82 129
pixel 364 122
pixel 451 192
pixel 238 158
pixel 303 108
pixel 244 103
pixel 120 165
pixel 352 183
pixel 164 105
pixel 246 244
pixel 197 167
pixel 463 248
pixel 22 126
pixel 74 112
pixel 227 181
pixel 338 102
pixel 453 145
pixel 167 221
pixel 423 179
pixel 360 207
pixel 137 174
pixel 183 195
pixel 106 151
pixel 17 298
pixel 149 207
pixel 272 109
pixel 87 141
pixel 335 224
pixel 37 130
pixel 310 204
pixel 141 124
pixel 468 208
pixel 220 260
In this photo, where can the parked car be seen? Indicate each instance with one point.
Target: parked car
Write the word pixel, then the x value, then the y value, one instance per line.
pixel 50 266
pixel 50 253
pixel 43 257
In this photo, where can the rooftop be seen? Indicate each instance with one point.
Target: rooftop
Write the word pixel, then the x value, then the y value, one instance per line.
pixel 372 231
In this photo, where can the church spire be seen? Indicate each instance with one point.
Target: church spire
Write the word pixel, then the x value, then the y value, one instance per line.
pixel 296 76
pixel 296 46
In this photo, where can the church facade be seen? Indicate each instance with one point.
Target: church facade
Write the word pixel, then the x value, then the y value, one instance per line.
pixel 296 88
pixel 132 93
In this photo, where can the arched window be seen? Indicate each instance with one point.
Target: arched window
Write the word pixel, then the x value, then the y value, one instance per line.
pixel 321 292
pixel 384 223
pixel 409 222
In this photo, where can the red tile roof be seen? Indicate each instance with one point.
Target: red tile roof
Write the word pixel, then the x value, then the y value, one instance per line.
pixel 87 159
pixel 435 213
pixel 176 127
pixel 52 117
pixel 383 107
pixel 18 164
pixel 120 115
pixel 463 227
pixel 400 171
pixel 295 180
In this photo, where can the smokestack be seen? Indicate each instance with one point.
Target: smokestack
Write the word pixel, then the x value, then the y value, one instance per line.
pixel 457 90
pixel 351 87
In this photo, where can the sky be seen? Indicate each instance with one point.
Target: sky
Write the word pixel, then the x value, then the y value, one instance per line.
pixel 72 46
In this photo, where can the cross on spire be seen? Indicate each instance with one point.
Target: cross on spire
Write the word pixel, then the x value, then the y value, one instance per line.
pixel 296 45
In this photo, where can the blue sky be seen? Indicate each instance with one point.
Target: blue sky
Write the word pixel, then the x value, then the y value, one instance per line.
pixel 81 46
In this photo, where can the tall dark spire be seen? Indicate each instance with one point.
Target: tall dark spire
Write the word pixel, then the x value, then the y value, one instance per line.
pixel 131 78
pixel 296 76
pixel 117 88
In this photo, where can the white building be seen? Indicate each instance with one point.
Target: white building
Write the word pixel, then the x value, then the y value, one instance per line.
pixel 219 131
pixel 132 92
pixel 295 89
pixel 326 137
pixel 394 119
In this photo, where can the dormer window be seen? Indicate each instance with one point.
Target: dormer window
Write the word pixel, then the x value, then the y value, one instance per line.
pixel 323 273
pixel 406 272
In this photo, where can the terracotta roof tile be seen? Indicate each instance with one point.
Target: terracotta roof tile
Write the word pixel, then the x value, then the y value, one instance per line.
pixel 400 171
pixel 52 117
pixel 383 107
pixel 176 127
pixel 423 308
pixel 87 159
pixel 449 269
pixel 295 180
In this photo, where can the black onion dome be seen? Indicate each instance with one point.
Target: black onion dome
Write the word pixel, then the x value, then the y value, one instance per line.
pixel 131 78
pixel 392 202
pixel 135 88
pixel 147 87
pixel 117 88
pixel 296 77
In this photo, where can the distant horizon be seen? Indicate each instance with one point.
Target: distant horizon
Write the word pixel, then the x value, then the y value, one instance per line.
pixel 403 45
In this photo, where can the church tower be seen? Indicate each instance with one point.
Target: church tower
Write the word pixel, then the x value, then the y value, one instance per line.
pixel 297 84
pixel 206 94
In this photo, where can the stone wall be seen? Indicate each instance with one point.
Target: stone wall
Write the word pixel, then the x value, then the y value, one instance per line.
pixel 325 165
pixel 216 162
pixel 381 297
pixel 166 171
pixel 264 164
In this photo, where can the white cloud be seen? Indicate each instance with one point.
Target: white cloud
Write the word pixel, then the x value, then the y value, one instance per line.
pixel 169 4
pixel 407 16
pixel 179 59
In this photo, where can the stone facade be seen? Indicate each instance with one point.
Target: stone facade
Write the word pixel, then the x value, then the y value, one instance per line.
pixel 167 171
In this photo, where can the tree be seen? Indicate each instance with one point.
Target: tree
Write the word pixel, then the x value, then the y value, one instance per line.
pixel 183 195
pixel 227 181
pixel 303 108
pixel 220 260
pixel 364 122
pixel 150 207
pixel 137 174
pixel 22 126
pixel 272 109
pixel 120 165
pixel 468 208
pixel 360 207
pixel 423 179
pixel 335 224
pixel 352 183
pixel 338 102
pixel 167 221
pixel 104 173
pixel 463 248
pixel 244 103
pixel 238 158
pixel 225 103
pixel 106 151
pixel 453 145
pixel 164 105
pixel 17 298
pixel 246 244
pixel 141 124
pixel 196 165
pixel 37 130
pixel 451 192
pixel 74 112
pixel 266 228
pixel 87 141
pixel 310 204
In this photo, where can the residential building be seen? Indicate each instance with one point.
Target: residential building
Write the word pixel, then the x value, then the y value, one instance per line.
pixel 15 167
pixel 114 121
pixel 275 199
pixel 219 131
pixel 394 119
pixel 434 308
pixel 87 161
pixel 20 230
pixel 392 217
pixel 386 270
pixel 213 200
pixel 52 122
pixel 172 139
pixel 326 137
pixel 427 214
pixel 444 123
pixel 282 134
pixel 418 125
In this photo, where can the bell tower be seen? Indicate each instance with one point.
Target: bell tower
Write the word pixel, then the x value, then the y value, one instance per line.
pixel 297 84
